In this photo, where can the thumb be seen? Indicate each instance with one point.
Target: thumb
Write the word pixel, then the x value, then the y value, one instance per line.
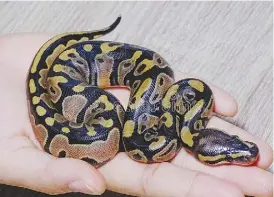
pixel 31 168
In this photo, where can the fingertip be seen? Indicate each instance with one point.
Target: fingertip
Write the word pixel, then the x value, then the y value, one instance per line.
pixel 266 161
pixel 78 176
pixel 49 174
pixel 225 104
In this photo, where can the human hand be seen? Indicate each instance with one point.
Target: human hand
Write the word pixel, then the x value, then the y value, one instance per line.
pixel 23 163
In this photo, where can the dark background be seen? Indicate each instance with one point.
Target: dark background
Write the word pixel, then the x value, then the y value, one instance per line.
pixel 9 191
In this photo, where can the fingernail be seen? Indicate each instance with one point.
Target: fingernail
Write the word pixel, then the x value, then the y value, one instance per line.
pixel 82 187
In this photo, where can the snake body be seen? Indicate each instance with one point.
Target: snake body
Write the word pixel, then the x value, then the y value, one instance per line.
pixel 73 116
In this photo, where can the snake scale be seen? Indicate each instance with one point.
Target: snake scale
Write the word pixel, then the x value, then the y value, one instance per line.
pixel 73 116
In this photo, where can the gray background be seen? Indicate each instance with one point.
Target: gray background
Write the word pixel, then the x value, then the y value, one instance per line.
pixel 226 43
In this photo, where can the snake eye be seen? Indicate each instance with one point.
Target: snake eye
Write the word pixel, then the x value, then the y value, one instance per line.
pixel 188 95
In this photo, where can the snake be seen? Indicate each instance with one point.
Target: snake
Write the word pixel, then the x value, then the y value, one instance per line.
pixel 73 115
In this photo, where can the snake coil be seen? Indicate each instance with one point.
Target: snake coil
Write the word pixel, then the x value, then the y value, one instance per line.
pixel 73 116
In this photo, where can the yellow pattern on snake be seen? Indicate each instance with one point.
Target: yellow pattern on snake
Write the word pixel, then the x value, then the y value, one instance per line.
pixel 73 116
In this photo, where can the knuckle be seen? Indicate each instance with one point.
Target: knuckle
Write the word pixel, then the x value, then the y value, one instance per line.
pixel 148 177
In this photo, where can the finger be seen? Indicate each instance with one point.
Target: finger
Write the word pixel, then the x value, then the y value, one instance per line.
pixel 163 180
pixel 30 168
pixel 266 152
pixel 252 180
pixel 224 104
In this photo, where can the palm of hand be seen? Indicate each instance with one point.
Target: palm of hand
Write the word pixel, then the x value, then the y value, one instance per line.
pixel 26 165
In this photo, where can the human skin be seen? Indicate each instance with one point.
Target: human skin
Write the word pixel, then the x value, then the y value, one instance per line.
pixel 24 164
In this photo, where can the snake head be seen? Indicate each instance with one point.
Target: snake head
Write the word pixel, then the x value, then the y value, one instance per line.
pixel 216 147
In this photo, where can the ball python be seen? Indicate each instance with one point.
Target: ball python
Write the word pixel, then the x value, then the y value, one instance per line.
pixel 72 114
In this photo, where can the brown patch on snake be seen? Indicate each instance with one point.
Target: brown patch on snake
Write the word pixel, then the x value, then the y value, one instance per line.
pixel 159 61
pixel 104 66
pixel 100 151
pixel 82 68
pixel 76 125
pixel 147 121
pixel 59 118
pixel 97 107
pixel 137 155
pixel 54 89
pixel 40 131
pixel 167 153
pixel 43 78
pixel 126 66
pixel 46 99
pixel 80 72
pixel 41 134
pixel 123 69
pixel 72 106
pixel 121 113
pixel 163 82
pixel 91 112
